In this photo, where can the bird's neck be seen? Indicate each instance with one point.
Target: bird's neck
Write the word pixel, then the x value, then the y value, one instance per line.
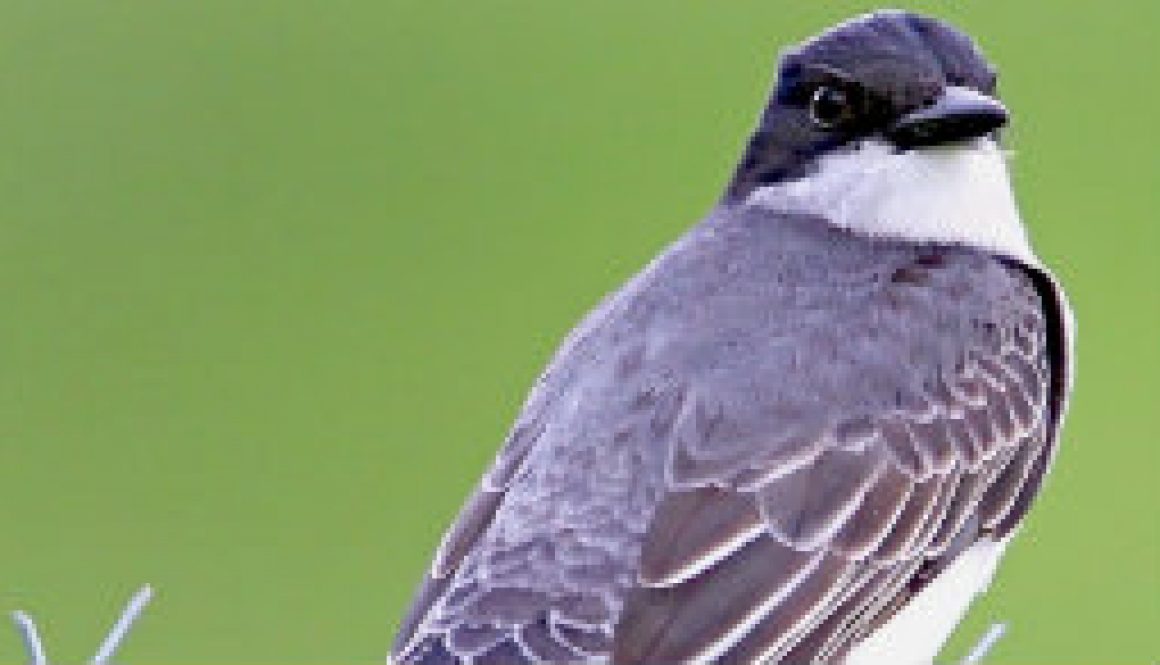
pixel 957 194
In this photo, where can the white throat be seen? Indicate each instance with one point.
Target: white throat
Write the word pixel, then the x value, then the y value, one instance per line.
pixel 955 194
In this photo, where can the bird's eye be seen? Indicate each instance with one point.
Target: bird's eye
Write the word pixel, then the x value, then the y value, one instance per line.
pixel 831 107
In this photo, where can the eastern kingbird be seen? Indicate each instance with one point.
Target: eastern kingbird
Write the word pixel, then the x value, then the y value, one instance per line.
pixel 806 431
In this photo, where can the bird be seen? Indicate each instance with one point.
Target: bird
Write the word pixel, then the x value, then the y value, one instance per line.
pixel 808 429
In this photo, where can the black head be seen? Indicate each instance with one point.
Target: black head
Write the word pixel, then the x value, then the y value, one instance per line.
pixel 910 80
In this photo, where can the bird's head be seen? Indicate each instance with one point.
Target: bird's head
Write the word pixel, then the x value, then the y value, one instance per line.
pixel 887 124
pixel 906 80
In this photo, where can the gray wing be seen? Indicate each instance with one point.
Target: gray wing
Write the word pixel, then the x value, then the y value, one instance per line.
pixel 413 645
pixel 794 548
pixel 506 625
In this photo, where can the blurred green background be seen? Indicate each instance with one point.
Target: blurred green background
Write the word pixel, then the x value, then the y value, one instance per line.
pixel 275 277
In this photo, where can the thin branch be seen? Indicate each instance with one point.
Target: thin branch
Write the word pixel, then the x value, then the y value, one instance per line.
pixel 32 642
pixel 117 634
pixel 986 643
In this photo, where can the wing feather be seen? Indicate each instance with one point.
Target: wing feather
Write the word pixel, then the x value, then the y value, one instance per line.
pixel 834 630
pixel 1000 497
pixel 809 506
pixel 700 526
pixel 474 639
pixel 876 516
pixel 776 634
pixel 537 639
pixel 504 653
pixel 901 541
pixel 682 622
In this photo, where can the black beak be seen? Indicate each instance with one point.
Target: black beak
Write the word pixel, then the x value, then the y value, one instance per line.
pixel 959 114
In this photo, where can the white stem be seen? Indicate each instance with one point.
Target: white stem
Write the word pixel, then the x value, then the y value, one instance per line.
pixel 121 628
pixel 985 644
pixel 32 641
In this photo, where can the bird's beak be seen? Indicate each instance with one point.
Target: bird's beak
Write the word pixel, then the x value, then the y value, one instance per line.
pixel 958 114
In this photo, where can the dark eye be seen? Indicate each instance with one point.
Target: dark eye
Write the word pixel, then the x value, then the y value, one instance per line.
pixel 831 107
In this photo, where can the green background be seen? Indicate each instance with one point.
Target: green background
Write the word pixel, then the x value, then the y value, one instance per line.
pixel 275 277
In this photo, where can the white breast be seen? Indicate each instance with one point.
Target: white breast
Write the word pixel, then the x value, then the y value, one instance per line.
pixel 956 194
